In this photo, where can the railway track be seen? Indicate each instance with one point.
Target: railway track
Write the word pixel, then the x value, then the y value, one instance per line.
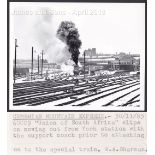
pixel 40 89
pixel 114 90
pixel 131 101
pixel 48 92
pixel 50 97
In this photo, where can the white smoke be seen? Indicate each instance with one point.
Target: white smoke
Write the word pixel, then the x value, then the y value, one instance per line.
pixel 45 38
pixel 79 64
pixel 68 67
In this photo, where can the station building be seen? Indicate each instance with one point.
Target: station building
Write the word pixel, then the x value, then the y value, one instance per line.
pixel 98 62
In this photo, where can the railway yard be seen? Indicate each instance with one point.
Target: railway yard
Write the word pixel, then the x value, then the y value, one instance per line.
pixel 91 93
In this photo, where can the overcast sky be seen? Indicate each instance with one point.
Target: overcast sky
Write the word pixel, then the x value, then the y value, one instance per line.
pixel 113 27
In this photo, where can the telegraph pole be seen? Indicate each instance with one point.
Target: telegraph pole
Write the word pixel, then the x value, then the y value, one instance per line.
pixel 38 64
pixel 119 64
pixel 42 53
pixel 15 60
pixel 84 66
pixel 32 64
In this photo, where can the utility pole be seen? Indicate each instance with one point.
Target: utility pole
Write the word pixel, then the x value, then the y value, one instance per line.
pixel 84 66
pixel 15 60
pixel 119 64
pixel 38 64
pixel 42 53
pixel 32 65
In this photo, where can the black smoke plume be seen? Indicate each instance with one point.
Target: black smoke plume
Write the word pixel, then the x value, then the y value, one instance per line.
pixel 68 33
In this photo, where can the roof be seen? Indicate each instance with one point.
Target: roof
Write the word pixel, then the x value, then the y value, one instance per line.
pixel 125 57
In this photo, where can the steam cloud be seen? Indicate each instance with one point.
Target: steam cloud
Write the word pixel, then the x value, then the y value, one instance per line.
pixel 44 34
pixel 60 45
pixel 68 33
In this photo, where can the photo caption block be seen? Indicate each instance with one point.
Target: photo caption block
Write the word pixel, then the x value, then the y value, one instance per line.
pixel 67 132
